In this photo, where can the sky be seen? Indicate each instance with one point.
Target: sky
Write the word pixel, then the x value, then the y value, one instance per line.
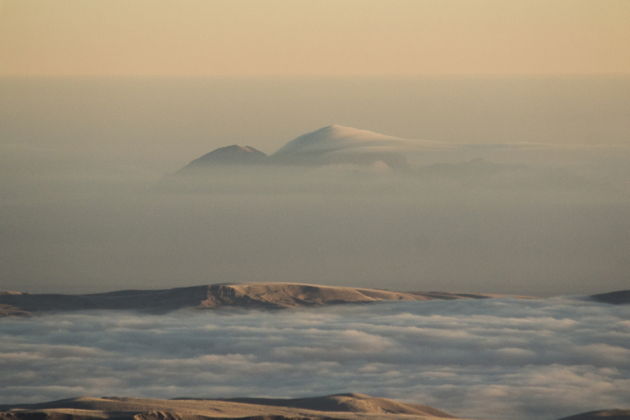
pixel 313 38
pixel 103 100
pixel 86 203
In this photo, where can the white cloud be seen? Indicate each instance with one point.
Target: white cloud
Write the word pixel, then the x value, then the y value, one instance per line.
pixel 494 359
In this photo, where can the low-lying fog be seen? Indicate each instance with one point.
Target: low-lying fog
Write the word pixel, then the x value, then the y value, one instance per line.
pixel 87 203
pixel 471 227
pixel 490 358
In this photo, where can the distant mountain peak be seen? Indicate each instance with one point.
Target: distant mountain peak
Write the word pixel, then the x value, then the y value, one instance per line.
pixel 339 144
pixel 234 150
pixel 331 135
pixel 234 154
pixel 343 130
pixel 334 144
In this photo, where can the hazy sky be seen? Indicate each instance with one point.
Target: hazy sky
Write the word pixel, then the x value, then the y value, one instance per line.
pixel 326 37
pixel 82 208
pixel 81 157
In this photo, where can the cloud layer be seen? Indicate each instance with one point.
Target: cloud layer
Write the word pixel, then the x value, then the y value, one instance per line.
pixel 492 359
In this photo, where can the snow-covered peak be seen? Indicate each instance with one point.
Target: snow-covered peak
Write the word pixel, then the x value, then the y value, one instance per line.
pixel 330 145
pixel 334 137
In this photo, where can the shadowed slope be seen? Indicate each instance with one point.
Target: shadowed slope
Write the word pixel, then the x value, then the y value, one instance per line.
pixel 10 310
pixel 144 300
pixel 614 414
pixel 228 155
pixel 617 298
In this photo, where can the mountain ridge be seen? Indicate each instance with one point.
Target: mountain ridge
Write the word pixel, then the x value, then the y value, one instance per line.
pixel 345 406
pixel 272 295
pixel 608 414
pixel 262 296
pixel 333 144
pixel 618 297
pixel 348 406
pixel 227 155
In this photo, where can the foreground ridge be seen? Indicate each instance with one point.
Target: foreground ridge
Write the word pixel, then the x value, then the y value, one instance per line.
pixel 339 406
pixel 349 406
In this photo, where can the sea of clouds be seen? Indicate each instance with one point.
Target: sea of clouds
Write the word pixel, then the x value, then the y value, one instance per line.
pixel 487 359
